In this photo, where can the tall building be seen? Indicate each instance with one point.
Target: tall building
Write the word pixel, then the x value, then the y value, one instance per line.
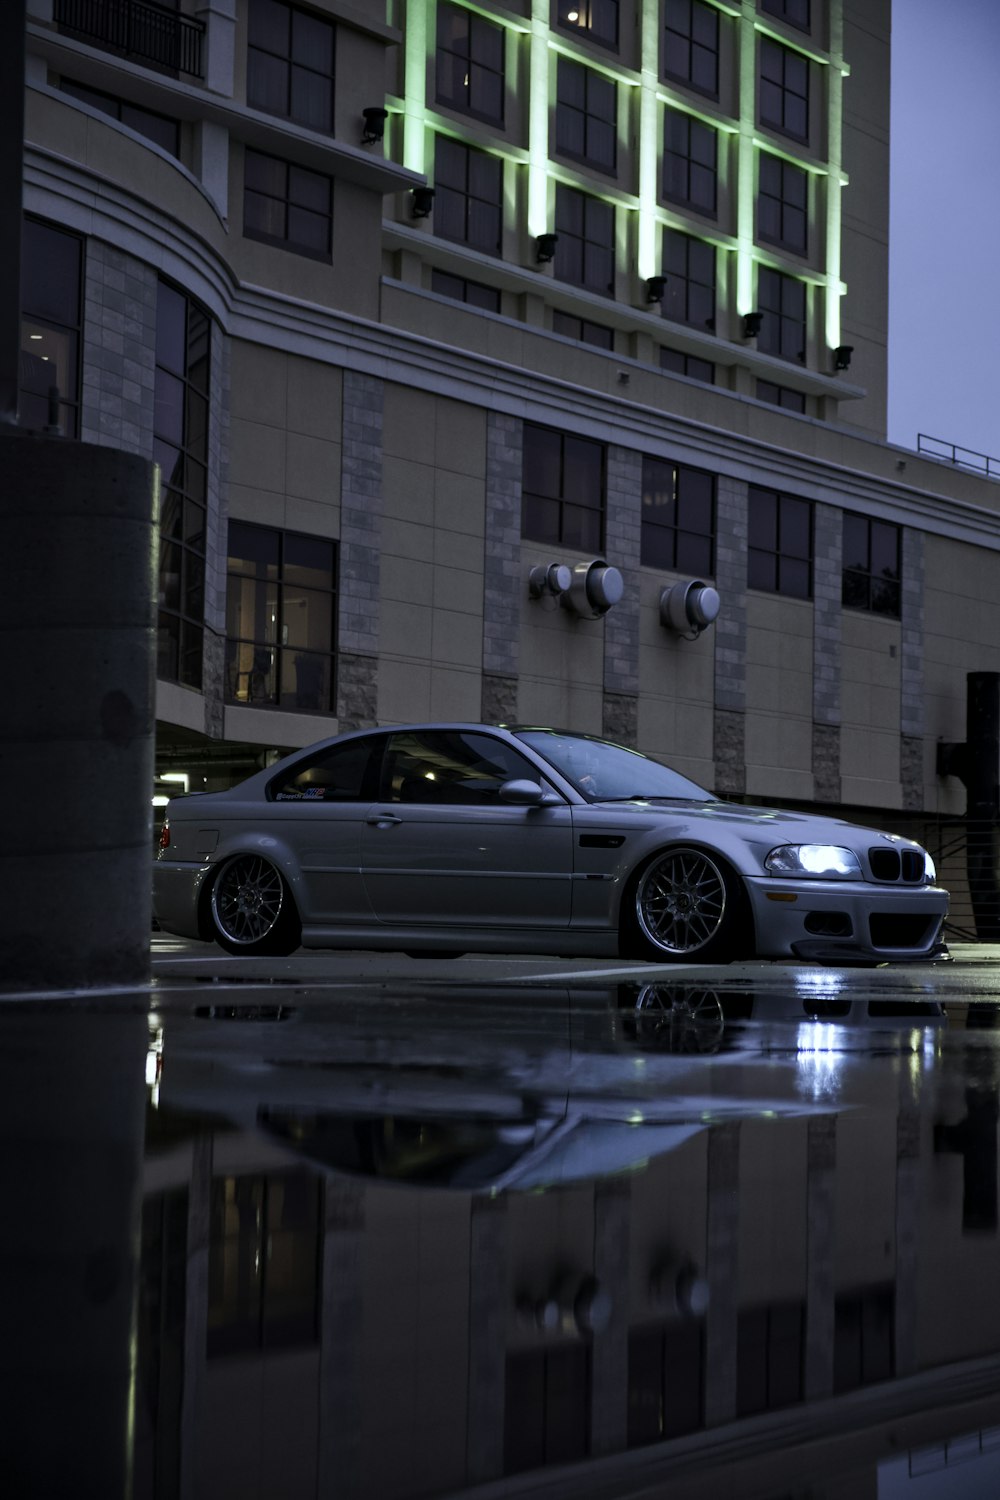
pixel 428 309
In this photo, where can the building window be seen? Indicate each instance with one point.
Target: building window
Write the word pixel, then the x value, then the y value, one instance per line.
pixel 287 205
pixel 468 190
pixel 687 364
pixel 690 162
pixel 781 395
pixel 264 1263
pixel 280 619
pixel 666 1381
pixel 546 1406
pixel 597 20
pixel 782 204
pixel 795 12
pixel 689 266
pixel 180 447
pixel 585 252
pixel 782 300
pixel 678 518
pixel 784 89
pixel 770 1343
pixel 290 64
pixel 594 334
pixel 470 63
pixel 459 289
pixel 779 558
pixel 691 45
pixel 160 129
pixel 864 1337
pixel 586 115
pixel 51 316
pixel 562 489
pixel 871 565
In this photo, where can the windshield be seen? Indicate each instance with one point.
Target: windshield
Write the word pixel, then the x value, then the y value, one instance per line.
pixel 605 772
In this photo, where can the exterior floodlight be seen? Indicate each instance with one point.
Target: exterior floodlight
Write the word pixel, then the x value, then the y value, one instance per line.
pixel 689 608
pixel 374 130
pixel 595 588
pixel 842 356
pixel 553 579
pixel 751 324
pixel 545 248
pixel 423 202
pixel 655 287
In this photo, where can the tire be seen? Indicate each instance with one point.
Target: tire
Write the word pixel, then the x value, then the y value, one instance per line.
pixel 251 908
pixel 686 905
pixel 678 1018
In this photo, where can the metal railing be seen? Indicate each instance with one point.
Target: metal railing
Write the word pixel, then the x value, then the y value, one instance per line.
pixel 139 29
pixel 961 849
pixel 962 458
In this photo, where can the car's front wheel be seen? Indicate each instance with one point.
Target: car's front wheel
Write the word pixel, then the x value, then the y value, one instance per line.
pixel 251 908
pixel 688 904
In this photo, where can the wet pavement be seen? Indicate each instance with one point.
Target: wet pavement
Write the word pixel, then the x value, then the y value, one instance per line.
pixel 365 1226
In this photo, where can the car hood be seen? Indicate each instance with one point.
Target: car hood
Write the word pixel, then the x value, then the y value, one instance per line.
pixel 773 825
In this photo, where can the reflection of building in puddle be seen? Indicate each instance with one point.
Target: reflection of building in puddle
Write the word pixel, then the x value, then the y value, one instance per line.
pixel 584 1286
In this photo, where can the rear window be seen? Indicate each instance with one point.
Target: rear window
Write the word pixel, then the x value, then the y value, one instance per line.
pixel 340 773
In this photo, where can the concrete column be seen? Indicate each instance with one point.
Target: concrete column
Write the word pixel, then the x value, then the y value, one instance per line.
pixel 72 1111
pixel 360 551
pixel 503 587
pixel 907 1238
pixel 76 733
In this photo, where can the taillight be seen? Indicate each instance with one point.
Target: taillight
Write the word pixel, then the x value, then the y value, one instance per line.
pixel 165 835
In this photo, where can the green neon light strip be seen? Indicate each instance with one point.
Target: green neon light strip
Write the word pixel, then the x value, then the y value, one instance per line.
pixel 835 288
pixel 745 171
pixel 415 87
pixel 538 120
pixel 648 249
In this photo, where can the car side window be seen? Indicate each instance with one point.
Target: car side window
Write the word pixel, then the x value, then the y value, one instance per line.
pixel 341 773
pixel 450 767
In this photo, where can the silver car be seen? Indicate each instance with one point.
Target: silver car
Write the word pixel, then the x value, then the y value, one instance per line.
pixel 448 838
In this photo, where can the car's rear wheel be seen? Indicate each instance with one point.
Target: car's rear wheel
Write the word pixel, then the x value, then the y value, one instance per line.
pixel 251 908
pixel 687 904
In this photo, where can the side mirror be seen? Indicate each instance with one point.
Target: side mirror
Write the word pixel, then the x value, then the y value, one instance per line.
pixel 525 793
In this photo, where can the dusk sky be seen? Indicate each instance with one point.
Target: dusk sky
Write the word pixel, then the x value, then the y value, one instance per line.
pixel 944 291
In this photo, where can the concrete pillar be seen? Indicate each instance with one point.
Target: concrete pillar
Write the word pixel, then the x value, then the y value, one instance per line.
pixel 340 1456
pixel 196 1296
pixel 821 1246
pixel 76 730
pixel 609 1386
pixel 722 1272
pixel 487 1339
pixel 72 1111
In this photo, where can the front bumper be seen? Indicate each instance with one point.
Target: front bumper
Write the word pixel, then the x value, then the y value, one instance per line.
pixel 832 921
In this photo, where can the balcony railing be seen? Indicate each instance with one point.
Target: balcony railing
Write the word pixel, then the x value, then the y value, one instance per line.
pixel 963 458
pixel 139 29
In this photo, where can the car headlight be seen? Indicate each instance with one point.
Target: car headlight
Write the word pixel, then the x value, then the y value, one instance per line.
pixel 930 869
pixel 825 861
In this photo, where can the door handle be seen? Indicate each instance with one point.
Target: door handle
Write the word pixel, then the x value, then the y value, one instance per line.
pixel 382 820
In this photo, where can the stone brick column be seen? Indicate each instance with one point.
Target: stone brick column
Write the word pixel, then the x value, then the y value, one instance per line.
pixel 912 722
pixel 119 350
pixel 623 524
pixel 503 586
pixel 341 1340
pixel 721 1270
pixel 730 637
pixel 360 552
pixel 609 1359
pixel 488 1255
pixel 821 1163
pixel 828 549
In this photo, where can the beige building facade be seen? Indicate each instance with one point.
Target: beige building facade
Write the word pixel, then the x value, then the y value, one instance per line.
pixel 409 299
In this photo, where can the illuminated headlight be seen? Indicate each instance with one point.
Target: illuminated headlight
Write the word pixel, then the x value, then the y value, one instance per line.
pixel 930 869
pixel 823 860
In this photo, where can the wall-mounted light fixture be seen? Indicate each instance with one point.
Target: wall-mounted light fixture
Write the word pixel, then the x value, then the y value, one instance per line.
pixel 423 202
pixel 655 287
pixel 842 356
pixel 545 247
pixel 751 324
pixel 550 579
pixel 689 608
pixel 576 1306
pixel 374 130
pixel 595 588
